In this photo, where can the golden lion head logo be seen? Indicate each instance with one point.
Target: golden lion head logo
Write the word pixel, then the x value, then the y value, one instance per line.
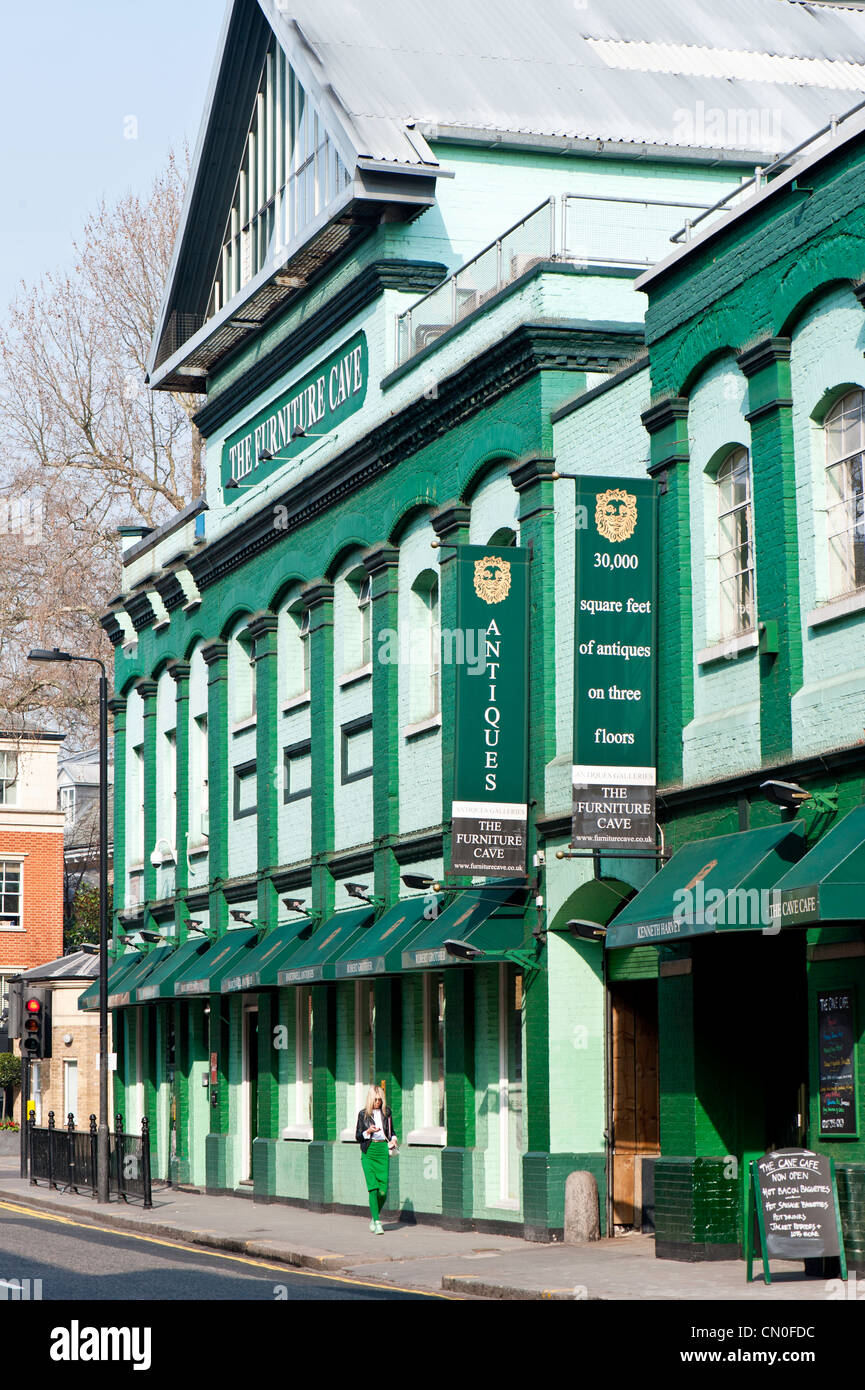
pixel 492 578
pixel 616 514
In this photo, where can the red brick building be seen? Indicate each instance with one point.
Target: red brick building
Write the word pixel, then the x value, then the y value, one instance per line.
pixel 31 853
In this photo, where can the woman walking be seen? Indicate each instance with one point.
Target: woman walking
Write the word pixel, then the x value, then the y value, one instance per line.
pixel 376 1138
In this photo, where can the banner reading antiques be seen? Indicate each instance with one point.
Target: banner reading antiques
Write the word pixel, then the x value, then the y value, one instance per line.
pixel 614 663
pixel 492 708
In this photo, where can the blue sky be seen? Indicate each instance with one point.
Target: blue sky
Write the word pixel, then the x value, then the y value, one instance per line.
pixel 72 73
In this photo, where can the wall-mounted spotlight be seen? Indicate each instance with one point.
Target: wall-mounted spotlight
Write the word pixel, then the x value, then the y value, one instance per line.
pixel 422 882
pixel 244 917
pixel 784 793
pixel 295 905
pixel 358 890
pixel 127 940
pixel 587 931
pixel 154 937
pixel 234 486
pixel 463 951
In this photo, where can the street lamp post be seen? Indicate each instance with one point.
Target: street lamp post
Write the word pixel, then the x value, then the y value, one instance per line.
pixel 102 1130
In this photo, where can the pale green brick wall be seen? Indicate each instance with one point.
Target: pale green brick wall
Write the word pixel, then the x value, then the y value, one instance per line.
pixel 295 818
pixel 724 735
pixel 827 352
pixel 577 1028
pixel 420 800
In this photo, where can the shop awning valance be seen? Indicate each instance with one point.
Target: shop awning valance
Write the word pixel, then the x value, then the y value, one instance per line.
pixel 715 885
pixel 160 984
pixel 828 883
pixel 378 951
pixel 260 969
pixel 491 919
pixel 316 959
pixel 123 965
pixel 206 974
pixel 123 992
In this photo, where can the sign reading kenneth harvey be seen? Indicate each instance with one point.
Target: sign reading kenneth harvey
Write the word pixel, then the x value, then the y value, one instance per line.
pixel 492 709
pixel 614 663
pixel 316 404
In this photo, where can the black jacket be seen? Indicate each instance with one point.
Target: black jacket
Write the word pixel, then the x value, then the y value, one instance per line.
pixel 363 1122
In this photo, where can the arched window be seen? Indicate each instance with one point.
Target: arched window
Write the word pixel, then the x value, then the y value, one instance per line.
pixel 736 544
pixel 356 621
pixel 424 699
pixel 365 610
pixel 241 674
pixel 845 489
pixel 296 651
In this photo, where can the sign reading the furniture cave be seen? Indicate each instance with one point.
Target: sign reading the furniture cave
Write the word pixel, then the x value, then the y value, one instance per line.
pixel 614 663
pixel 316 404
pixel 491 659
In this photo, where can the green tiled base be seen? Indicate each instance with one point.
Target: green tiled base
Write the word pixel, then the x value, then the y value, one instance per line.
pixel 544 1177
pixel 216 1162
pixel 851 1200
pixel 320 1160
pixel 457 1184
pixel 697 1210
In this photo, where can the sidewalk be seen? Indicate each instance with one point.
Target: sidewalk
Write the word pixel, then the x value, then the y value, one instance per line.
pixel 423 1257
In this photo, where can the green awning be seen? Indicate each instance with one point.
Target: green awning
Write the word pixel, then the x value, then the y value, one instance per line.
pixel 480 917
pixel 721 884
pixel 160 984
pixel 379 950
pixel 89 1000
pixel 828 883
pixel 123 992
pixel 260 968
pixel 206 974
pixel 316 958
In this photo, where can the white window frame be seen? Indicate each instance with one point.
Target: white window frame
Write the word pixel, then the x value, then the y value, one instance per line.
pixel 300 1091
pixel 246 1094
pixel 728 465
pixel 842 502
pixel 67 804
pixel 430 1132
pixel 503 1128
pixel 70 1068
pixel 17 861
pixel 8 785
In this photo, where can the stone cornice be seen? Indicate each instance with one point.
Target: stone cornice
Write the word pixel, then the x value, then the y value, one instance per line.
pixel 314 595
pixel 147 690
pixel 409 276
pixel 170 590
pixel 453 517
pixel 109 624
pixel 521 354
pixel 664 413
pixel 761 355
pixel 179 671
pixel 261 624
pixel 140 610
pixel 382 557
pixel 214 652
pixel 527 472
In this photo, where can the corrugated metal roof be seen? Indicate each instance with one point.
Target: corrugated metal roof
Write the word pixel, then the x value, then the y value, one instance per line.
pixel 80 965
pixel 504 66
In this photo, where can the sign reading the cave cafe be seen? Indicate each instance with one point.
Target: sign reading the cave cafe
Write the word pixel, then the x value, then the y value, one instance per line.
pixel 614 772
pixel 316 404
pixel 491 653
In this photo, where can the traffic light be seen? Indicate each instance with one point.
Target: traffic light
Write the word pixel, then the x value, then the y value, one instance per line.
pixel 36 1024
pixel 13 1025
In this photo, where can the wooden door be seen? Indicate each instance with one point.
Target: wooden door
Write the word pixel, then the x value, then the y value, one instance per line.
pixel 635 1105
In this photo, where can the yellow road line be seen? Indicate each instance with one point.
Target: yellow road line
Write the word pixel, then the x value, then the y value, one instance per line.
pixel 215 1254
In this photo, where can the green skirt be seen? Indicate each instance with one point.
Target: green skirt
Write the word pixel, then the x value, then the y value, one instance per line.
pixel 376 1165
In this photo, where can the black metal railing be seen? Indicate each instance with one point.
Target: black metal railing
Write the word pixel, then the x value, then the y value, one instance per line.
pixel 66 1158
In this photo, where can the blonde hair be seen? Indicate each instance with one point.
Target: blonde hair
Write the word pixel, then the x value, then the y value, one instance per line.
pixel 373 1094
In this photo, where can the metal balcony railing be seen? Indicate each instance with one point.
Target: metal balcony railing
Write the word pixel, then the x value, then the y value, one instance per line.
pixel 579 228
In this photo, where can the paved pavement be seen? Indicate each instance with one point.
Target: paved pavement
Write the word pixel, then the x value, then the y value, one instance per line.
pixel 425 1257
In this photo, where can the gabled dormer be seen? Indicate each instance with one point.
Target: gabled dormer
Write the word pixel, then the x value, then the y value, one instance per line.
pixel 284 181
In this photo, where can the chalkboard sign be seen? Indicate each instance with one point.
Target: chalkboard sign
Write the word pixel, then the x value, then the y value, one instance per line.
pixel 836 1063
pixel 795 1208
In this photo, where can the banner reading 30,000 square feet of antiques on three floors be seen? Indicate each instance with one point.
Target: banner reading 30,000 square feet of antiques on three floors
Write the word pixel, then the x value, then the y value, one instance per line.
pixel 614 663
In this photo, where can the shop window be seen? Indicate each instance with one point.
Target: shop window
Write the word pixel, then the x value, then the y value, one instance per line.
pixel 844 427
pixel 245 790
pixel 297 772
pixel 432 1113
pixel 364 1050
pixel 736 545
pixel 425 667
pixel 10 896
pixel 356 750
pixel 299 1113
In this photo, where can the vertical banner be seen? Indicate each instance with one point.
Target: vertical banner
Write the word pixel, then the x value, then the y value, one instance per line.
pixel 614 771
pixel 492 711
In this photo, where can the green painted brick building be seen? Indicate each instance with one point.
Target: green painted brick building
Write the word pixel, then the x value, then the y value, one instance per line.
pixel 399 330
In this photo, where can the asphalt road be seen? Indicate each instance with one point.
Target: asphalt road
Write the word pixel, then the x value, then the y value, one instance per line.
pixel 79 1262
